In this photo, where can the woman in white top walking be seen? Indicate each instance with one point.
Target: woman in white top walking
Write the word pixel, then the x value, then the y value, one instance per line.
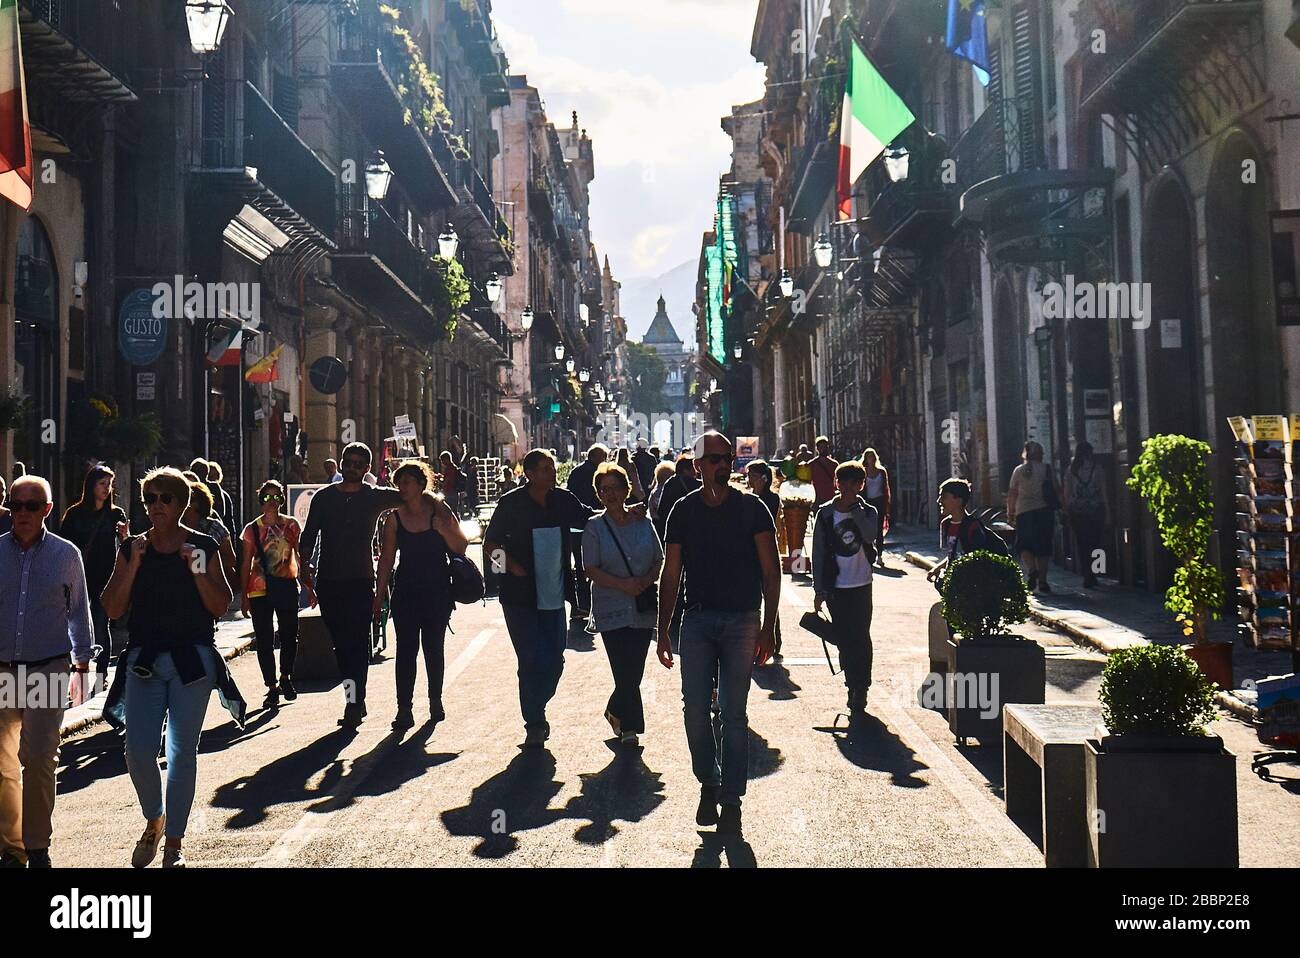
pixel 1032 500
pixel 876 491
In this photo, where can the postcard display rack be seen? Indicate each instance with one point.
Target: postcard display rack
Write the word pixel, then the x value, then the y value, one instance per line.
pixel 1268 531
pixel 1268 563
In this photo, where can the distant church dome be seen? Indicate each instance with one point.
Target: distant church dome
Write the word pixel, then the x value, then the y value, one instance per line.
pixel 661 332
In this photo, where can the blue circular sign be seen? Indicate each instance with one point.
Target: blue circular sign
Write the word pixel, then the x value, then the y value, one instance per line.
pixel 141 336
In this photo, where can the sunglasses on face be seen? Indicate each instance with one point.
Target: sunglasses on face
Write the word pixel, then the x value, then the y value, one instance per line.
pixel 151 497
pixel 354 464
pixel 272 497
pixel 27 505
pixel 717 458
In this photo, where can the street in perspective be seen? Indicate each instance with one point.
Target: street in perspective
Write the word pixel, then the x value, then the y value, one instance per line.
pixel 545 434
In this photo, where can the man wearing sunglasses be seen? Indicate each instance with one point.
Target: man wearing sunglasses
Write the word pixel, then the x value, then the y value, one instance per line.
pixel 45 631
pixel 725 543
pixel 344 516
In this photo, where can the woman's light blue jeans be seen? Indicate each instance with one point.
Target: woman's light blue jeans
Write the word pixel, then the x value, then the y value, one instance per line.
pixel 148 702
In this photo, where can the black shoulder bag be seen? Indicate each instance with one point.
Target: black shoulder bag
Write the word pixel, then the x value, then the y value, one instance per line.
pixel 467 585
pixel 647 600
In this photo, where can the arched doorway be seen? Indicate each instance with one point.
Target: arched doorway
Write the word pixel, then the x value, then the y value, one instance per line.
pixel 1246 349
pixel 36 349
pixel 1172 353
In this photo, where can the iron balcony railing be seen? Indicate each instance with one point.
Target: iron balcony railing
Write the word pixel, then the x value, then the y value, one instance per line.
pixel 98 27
pixel 375 232
pixel 1129 25
pixel 242 130
pixel 1005 139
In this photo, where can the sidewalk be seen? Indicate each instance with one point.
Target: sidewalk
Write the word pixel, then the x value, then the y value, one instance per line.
pixel 234 636
pixel 1115 617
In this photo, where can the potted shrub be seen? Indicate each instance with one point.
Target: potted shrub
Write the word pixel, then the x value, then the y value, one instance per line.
pixel 988 666
pixel 1160 791
pixel 1172 478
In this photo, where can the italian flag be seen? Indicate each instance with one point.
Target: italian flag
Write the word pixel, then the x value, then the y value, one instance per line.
pixel 15 134
pixel 873 114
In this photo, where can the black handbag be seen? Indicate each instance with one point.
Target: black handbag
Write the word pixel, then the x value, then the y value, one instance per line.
pixel 824 630
pixel 466 580
pixel 647 600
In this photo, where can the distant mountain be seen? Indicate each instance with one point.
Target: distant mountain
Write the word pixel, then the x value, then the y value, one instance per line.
pixel 640 294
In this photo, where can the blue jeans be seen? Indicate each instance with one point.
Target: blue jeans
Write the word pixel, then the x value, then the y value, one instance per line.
pixel 148 702
pixel 539 639
pixel 721 644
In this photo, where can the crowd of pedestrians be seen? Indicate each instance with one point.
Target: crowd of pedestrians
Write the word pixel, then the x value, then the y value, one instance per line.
pixel 648 548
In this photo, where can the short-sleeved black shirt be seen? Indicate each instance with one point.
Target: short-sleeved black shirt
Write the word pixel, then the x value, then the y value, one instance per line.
pixel 719 555
pixel 512 525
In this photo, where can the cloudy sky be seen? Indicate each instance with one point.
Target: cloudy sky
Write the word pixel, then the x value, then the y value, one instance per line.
pixel 650 80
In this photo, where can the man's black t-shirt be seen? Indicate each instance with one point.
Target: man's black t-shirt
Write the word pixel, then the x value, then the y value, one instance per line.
pixel 345 522
pixel 516 517
pixel 719 555
pixel 581 481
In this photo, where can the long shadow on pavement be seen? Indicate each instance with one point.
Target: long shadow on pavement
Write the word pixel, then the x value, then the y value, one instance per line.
pixel 84 761
pixel 624 790
pixel 285 780
pixel 763 758
pixel 740 854
pixel 871 745
pixel 513 800
pixel 394 763
pixel 776 681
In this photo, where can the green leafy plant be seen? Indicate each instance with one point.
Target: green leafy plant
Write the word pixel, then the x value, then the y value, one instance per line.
pixel 448 292
pixel 1155 690
pixel 1173 479
pixel 562 471
pixel 417 85
pixel 13 409
pixel 983 594
pixel 98 431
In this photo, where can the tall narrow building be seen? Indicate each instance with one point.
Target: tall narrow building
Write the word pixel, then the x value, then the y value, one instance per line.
pixel 663 339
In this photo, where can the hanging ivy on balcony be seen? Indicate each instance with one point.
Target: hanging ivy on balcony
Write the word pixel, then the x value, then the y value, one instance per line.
pixel 449 292
pixel 417 85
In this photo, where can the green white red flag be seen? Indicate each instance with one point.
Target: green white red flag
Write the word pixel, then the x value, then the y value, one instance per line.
pixel 15 133
pixel 873 114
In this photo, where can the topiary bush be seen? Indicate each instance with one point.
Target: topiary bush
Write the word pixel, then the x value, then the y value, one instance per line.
pixel 983 594
pixel 1155 690
pixel 1173 478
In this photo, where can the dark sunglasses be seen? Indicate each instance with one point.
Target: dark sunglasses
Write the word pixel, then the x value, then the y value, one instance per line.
pixel 151 497
pixel 26 505
pixel 355 464
pixel 272 497
pixel 717 458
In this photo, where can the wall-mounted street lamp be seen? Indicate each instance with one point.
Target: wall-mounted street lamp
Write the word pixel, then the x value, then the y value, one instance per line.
pixel 897 164
pixel 559 351
pixel 738 350
pixel 584 312
pixel 526 319
pixel 493 288
pixel 448 243
pixel 378 176
pixel 206 22
pixel 823 252
pixel 569 365
pixel 584 376
pixel 787 284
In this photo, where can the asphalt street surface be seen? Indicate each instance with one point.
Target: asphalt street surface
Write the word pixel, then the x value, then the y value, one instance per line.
pixel 292 789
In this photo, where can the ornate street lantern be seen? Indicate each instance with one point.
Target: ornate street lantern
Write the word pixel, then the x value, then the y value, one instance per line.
pixel 823 252
pixel 206 22
pixel 493 288
pixel 559 351
pixel 448 243
pixel 897 164
pixel 526 318
pixel 378 176
pixel 787 284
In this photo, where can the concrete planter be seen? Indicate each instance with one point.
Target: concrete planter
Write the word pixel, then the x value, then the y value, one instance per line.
pixel 986 674
pixel 1161 802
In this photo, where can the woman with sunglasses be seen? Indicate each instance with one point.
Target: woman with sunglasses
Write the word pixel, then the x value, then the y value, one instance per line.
pixel 269 582
pixel 170 584
pixel 424 530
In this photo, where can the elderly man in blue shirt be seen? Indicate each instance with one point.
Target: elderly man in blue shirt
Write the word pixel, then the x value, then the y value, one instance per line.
pixel 45 633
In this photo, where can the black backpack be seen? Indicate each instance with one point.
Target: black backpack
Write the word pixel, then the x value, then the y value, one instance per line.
pixel 992 541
